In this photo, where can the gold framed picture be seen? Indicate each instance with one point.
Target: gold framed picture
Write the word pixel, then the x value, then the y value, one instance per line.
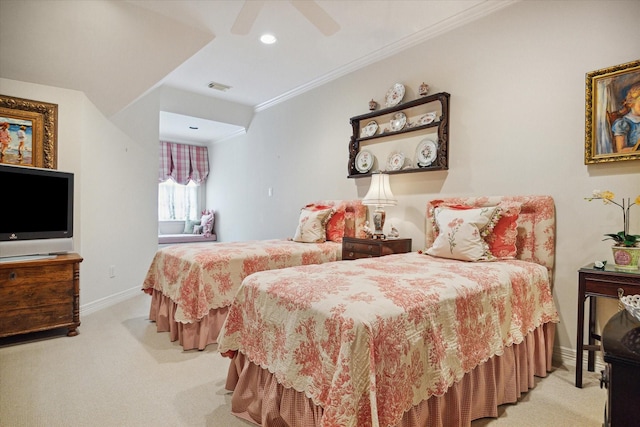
pixel 612 119
pixel 28 132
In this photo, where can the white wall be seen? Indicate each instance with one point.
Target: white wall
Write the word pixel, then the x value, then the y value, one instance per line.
pixel 115 221
pixel 517 85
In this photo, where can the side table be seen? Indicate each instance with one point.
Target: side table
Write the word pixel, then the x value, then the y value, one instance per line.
pixel 592 283
pixel 354 248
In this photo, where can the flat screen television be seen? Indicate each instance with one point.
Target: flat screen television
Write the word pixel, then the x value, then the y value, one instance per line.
pixel 36 217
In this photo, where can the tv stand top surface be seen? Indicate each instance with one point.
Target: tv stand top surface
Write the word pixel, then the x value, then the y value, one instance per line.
pixel 36 260
pixel 25 258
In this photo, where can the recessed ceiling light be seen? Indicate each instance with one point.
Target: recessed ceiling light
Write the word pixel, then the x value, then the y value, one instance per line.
pixel 268 39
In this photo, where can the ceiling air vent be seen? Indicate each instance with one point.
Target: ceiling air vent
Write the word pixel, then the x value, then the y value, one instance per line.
pixel 219 86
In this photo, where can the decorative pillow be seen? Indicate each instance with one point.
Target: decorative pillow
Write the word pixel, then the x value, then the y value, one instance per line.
pixel 197 229
pixel 336 225
pixel 206 221
pixel 461 233
pixel 312 225
pixel 502 238
pixel 188 225
pixel 502 241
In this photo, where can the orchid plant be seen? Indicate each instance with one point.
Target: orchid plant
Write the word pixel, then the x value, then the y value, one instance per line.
pixel 622 238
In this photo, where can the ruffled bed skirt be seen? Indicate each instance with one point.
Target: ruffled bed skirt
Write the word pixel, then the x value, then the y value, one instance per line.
pixel 190 335
pixel 258 398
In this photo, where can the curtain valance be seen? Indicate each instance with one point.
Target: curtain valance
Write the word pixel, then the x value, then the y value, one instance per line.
pixel 183 162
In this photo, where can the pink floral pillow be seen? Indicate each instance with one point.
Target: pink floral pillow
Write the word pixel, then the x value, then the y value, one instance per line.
pixel 312 224
pixel 502 240
pixel 206 222
pixel 461 233
pixel 336 225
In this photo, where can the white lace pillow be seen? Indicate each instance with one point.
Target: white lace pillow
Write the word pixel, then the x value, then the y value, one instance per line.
pixel 461 233
pixel 312 225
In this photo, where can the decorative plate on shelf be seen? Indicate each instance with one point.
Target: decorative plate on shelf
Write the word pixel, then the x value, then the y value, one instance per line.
pixel 395 161
pixel 398 122
pixel 394 95
pixel 369 130
pixel 426 153
pixel 427 118
pixel 364 161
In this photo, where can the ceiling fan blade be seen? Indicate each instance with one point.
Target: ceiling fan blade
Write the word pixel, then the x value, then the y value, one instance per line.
pixel 247 17
pixel 317 16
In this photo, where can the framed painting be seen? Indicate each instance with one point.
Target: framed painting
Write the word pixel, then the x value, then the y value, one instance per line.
pixel 28 132
pixel 612 119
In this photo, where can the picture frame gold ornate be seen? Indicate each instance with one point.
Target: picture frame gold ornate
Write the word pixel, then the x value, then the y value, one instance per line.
pixel 612 98
pixel 28 132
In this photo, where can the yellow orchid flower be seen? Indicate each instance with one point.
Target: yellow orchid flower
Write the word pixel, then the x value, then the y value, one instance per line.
pixel 622 238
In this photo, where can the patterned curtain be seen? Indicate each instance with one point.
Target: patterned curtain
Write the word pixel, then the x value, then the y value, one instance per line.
pixel 183 163
pixel 164 172
pixel 199 157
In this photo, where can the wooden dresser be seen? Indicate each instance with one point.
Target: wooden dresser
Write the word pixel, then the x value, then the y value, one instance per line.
pixel 40 294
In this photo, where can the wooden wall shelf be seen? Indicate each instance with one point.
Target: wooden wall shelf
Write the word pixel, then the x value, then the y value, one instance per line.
pixel 386 141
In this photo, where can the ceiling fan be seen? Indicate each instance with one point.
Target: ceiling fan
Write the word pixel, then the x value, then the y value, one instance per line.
pixel 308 8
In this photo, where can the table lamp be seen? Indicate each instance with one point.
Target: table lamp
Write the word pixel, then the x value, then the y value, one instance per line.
pixel 379 195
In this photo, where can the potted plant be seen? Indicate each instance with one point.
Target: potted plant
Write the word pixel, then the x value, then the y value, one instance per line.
pixel 626 248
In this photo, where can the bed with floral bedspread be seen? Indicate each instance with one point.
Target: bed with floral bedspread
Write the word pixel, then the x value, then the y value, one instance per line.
pixel 192 285
pixel 403 340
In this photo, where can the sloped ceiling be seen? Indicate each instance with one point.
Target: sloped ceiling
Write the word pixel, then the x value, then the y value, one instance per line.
pixel 110 50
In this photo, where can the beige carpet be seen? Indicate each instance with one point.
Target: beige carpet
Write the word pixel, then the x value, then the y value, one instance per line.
pixel 120 372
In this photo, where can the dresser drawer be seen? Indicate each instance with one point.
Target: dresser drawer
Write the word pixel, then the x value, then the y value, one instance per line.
pixel 25 275
pixel 356 255
pixel 355 248
pixel 36 295
pixel 46 317
pixel 36 286
pixel 363 249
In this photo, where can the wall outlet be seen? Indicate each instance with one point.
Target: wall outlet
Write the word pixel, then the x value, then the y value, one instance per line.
pixel 112 271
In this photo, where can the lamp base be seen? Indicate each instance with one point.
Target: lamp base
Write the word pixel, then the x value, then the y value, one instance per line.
pixel 379 216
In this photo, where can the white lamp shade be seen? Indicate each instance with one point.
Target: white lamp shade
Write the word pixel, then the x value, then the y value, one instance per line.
pixel 379 193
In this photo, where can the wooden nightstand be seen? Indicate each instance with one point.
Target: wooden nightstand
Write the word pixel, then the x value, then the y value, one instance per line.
pixel 354 248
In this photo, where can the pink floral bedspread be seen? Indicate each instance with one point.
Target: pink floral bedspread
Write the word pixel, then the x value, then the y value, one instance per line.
pixel 368 339
pixel 199 277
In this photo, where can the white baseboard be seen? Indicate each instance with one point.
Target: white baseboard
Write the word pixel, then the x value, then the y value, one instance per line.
pixel 567 356
pixel 105 302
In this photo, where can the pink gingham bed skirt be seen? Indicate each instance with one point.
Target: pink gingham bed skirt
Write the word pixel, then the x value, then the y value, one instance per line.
pixel 190 335
pixel 259 398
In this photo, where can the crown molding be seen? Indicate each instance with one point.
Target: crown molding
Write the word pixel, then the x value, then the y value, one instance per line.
pixel 414 39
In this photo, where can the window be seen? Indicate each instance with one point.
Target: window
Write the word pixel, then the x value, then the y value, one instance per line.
pixel 179 202
pixel 182 179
